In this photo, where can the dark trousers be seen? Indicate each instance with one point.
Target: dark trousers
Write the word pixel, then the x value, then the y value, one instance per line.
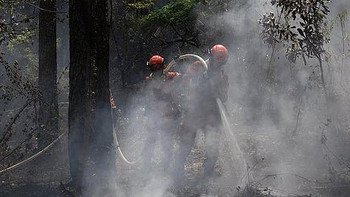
pixel 187 136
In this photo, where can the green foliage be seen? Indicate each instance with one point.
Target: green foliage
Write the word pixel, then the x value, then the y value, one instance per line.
pixel 147 4
pixel 15 24
pixel 300 23
pixel 148 27
pixel 18 90
pixel 176 13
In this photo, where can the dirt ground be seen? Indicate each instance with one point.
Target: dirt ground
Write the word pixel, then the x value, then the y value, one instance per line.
pixel 48 175
pixel 40 177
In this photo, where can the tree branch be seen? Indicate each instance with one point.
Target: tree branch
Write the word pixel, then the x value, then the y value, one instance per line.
pixel 46 10
pixel 14 119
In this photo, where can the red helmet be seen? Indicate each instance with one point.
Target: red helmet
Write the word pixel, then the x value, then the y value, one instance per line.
pixel 156 62
pixel 156 59
pixel 219 53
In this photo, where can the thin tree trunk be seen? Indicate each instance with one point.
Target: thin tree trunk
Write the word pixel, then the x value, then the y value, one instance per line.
pixel 48 117
pixel 322 74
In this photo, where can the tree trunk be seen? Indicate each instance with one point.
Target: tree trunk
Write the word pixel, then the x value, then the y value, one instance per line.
pixel 90 122
pixel 48 118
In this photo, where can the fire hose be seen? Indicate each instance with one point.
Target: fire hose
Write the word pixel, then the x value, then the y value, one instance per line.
pixel 185 56
pixel 117 146
pixel 34 156
pixel 167 69
pixel 116 141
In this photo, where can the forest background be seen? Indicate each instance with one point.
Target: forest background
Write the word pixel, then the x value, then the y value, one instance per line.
pixel 288 67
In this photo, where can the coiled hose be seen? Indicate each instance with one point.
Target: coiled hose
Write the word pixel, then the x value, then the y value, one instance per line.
pixel 167 69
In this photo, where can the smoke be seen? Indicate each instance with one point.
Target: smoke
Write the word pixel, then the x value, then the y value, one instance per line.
pixel 290 139
pixel 291 135
pixel 145 138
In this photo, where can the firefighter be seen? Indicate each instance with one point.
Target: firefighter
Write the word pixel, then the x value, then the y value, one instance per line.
pixel 161 110
pixel 202 112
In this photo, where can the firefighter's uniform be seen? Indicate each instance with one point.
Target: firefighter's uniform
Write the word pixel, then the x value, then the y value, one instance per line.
pixel 201 110
pixel 161 111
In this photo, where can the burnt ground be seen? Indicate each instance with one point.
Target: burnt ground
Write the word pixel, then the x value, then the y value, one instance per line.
pixel 40 177
pixel 48 175
pixel 30 190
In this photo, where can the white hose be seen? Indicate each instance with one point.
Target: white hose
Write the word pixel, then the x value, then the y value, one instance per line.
pixel 117 146
pixel 185 56
pixel 34 156
pixel 169 66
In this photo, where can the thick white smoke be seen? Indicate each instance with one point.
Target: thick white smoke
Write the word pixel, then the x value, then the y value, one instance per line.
pixel 291 135
pixel 294 142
